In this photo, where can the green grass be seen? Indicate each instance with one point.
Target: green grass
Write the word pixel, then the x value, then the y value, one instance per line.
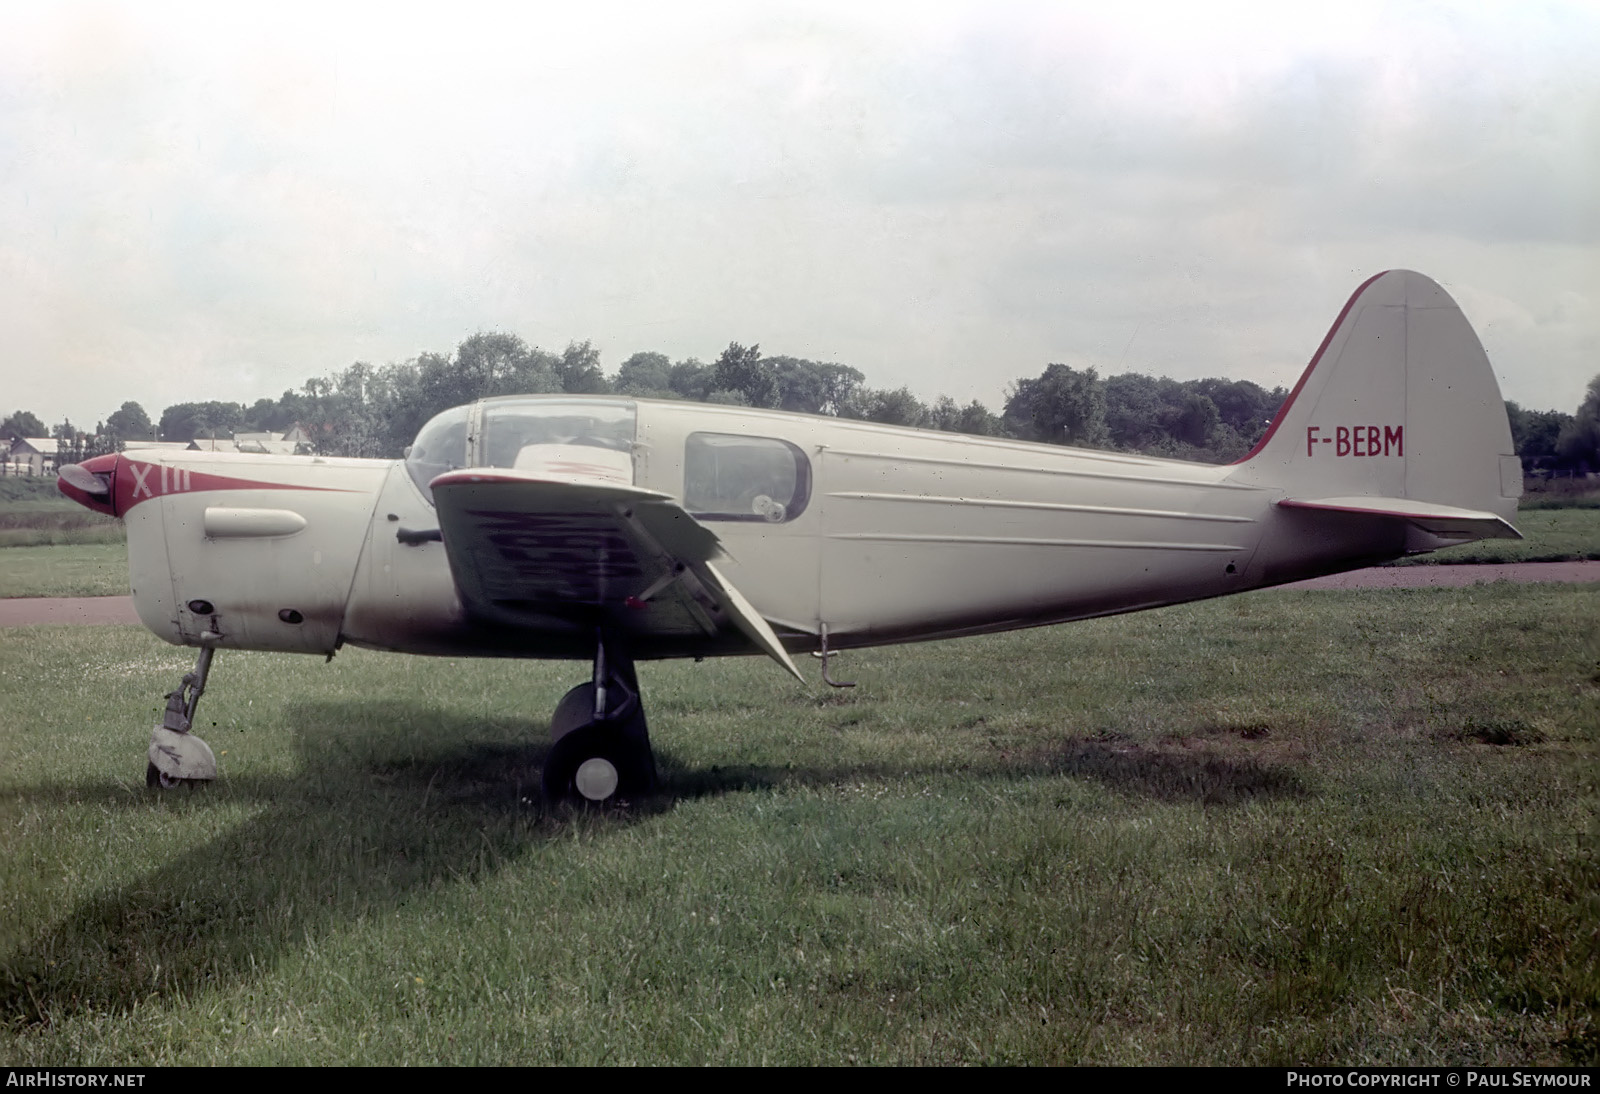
pixel 1279 828
pixel 50 546
pixel 33 513
pixel 83 569
pixel 68 530
pixel 27 488
pixel 1560 494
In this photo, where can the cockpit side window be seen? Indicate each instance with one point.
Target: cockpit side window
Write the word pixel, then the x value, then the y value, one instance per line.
pixel 731 477
pixel 516 431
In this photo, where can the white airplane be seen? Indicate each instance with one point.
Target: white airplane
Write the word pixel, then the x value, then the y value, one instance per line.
pixel 618 529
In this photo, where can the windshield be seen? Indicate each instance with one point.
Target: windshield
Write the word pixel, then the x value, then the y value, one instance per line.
pixel 440 446
pixel 534 433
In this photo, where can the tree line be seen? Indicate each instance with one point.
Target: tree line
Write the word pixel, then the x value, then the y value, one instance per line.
pixel 376 411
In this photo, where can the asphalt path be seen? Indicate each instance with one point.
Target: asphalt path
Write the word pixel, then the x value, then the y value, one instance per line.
pixel 82 610
pixel 109 610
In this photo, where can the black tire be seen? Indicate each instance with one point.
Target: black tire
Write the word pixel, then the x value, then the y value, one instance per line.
pixel 155 780
pixel 627 754
pixel 575 711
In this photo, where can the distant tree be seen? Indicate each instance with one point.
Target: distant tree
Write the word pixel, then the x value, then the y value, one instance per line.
pixel 897 407
pixel 943 414
pixel 70 441
pixel 646 375
pixel 398 405
pixel 980 421
pixel 800 387
pixel 1244 407
pixel 277 415
pixel 1578 446
pixel 973 418
pixel 812 387
pixel 1062 405
pixel 489 363
pixel 1212 419
pixel 1193 419
pixel 691 380
pixel 186 421
pixel 484 365
pixel 129 423
pixel 440 386
pixel 340 414
pixel 22 424
pixel 1535 434
pixel 1133 411
pixel 741 369
pixel 579 370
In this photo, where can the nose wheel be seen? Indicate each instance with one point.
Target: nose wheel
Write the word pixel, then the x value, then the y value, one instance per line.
pixel 176 756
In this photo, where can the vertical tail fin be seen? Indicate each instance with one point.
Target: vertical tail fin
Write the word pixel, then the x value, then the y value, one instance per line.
pixel 1397 415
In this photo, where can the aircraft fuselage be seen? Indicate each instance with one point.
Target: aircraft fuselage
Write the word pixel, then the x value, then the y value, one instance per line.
pixel 890 535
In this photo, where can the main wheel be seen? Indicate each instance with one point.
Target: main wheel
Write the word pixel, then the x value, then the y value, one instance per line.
pixel 575 711
pixel 598 764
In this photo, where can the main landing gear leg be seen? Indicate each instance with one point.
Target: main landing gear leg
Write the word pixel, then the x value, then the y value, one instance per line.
pixel 176 755
pixel 602 751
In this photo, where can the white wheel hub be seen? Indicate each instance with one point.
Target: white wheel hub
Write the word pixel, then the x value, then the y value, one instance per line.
pixel 596 779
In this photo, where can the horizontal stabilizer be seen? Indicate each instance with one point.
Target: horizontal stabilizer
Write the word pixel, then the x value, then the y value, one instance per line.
pixel 1447 521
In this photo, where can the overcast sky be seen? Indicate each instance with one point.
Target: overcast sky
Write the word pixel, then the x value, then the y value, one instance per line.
pixel 219 201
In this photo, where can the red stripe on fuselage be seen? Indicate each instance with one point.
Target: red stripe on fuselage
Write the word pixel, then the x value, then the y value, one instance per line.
pixel 137 481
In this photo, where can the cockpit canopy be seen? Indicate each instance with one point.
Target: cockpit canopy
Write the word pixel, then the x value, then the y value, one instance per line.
pixel 523 432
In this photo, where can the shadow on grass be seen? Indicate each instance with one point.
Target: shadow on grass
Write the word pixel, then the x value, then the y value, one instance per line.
pixel 369 819
pixel 373 816
pixel 1175 775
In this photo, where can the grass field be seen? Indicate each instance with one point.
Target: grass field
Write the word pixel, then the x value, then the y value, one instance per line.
pixel 78 569
pixel 50 546
pixel 1284 827
pixel 33 513
pixel 1560 494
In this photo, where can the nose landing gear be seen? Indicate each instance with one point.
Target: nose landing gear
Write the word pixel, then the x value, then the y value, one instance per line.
pixel 178 757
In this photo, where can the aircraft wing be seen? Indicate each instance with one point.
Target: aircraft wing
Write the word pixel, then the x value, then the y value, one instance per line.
pixel 1441 520
pixel 527 549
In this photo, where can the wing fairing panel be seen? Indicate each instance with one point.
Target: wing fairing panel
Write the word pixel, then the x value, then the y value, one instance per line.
pixel 528 550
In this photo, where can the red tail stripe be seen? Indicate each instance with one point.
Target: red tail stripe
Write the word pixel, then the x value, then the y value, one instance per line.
pixel 1283 411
